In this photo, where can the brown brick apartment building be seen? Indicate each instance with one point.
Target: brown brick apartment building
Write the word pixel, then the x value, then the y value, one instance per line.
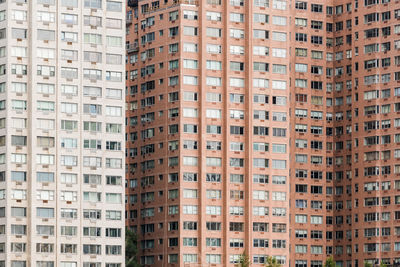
pixel 264 126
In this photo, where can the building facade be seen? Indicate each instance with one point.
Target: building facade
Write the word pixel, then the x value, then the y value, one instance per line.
pixel 62 133
pixel 264 127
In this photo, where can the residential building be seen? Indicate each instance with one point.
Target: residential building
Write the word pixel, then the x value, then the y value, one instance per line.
pixel 264 127
pixel 62 133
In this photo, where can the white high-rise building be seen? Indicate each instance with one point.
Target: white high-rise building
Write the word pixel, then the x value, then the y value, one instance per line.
pixel 62 133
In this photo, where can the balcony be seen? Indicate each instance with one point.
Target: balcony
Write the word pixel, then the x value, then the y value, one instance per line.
pixel 129 18
pixel 130 48
pixel 133 3
pixel 186 2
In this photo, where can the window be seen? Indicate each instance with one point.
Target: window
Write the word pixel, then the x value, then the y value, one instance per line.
pixel 69 230
pixel 188 209
pixel 45 212
pixel 69 37
pixel 16 15
pixel 236 17
pixel 300 22
pixel 92 179
pixel 213 97
pixel 17 51
pixel 18 247
pixel 237 2
pixel 65 124
pixel 45 88
pixel 213 81
pixel 18 33
pixel 18 176
pixel 261 3
pixel 258 34
pixel 113 41
pixel 190 80
pixel 18 212
pixel 279 196
pixel 213 258
pixel 214 49
pixel 260 195
pixel 210 161
pixel 45 177
pixel 19 69
pixel 187 47
pixel 114 6
pixel 69 160
pixel 260 66
pixel 69 107
pixel 113 111
pixel 113 198
pixel 239 34
pixel 97 22
pixel 17 229
pixel 260 227
pixel 279 20
pixel 213 16
pixel 190 112
pixel 187 14
pixel 113 232
pixel 18 140
pixel 45 106
pixel 93 4
pixel 44 195
pixel 113 163
pixel 68 196
pixel 69 19
pixel 92 196
pixel 18 158
pixel 213 210
pixel 193 31
pixel 301 68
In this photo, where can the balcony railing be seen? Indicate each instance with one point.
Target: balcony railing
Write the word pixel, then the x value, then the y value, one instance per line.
pixel 133 3
pixel 129 18
pixel 130 48
pixel 186 2
pixel 151 9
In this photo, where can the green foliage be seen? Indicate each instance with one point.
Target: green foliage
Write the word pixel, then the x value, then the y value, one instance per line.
pixel 330 262
pixel 367 264
pixel 272 262
pixel 131 249
pixel 244 260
